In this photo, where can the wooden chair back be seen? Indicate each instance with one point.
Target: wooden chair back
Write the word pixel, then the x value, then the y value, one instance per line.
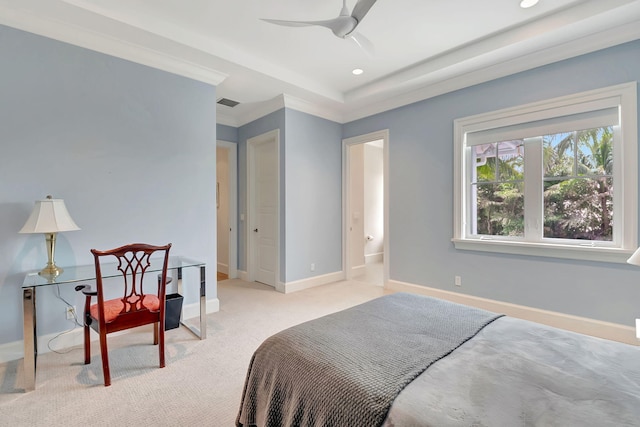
pixel 139 304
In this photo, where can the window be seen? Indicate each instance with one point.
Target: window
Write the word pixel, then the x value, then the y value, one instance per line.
pixel 554 178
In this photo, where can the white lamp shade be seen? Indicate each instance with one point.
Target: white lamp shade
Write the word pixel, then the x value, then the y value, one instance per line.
pixel 635 258
pixel 49 216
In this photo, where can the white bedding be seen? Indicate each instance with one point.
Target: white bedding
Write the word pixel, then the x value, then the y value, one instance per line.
pixel 519 373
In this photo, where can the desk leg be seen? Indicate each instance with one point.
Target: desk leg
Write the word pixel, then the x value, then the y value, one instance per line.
pixel 202 331
pixel 203 304
pixel 30 337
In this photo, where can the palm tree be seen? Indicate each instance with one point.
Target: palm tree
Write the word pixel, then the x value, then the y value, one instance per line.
pixel 500 195
pixel 578 203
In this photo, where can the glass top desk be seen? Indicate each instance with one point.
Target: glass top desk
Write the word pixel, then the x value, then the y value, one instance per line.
pixel 87 273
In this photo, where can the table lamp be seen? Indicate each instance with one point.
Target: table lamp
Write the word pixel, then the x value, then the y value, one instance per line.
pixel 49 216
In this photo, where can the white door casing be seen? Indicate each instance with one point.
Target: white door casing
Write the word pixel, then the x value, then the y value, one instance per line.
pixel 264 207
pixel 355 214
pixel 348 261
pixel 233 205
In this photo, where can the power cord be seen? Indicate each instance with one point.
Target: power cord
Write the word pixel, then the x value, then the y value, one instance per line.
pixel 75 321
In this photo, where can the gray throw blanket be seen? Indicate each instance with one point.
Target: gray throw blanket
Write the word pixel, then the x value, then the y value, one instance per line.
pixel 345 369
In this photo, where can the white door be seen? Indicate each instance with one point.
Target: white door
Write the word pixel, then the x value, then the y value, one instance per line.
pixel 263 152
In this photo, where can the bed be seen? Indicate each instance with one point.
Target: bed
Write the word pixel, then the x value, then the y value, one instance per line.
pixel 410 360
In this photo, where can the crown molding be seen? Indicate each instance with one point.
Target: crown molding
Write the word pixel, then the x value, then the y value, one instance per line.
pixel 315 109
pixel 468 66
pixel 32 22
pixel 259 110
pixel 210 47
pixel 226 119
pixel 459 77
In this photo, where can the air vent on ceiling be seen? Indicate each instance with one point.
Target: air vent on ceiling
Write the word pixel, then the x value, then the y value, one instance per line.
pixel 228 102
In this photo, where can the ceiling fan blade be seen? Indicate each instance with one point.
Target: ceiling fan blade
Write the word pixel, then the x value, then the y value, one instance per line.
pixel 361 9
pixel 363 42
pixel 339 26
pixel 289 23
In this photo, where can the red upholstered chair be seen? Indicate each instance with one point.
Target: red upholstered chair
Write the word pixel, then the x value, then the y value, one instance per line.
pixel 137 306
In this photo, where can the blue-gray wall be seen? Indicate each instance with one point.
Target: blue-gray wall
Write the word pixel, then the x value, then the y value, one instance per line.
pixel 227 133
pixel 421 197
pixel 129 148
pixel 313 210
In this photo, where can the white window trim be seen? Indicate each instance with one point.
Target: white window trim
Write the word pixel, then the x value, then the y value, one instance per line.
pixel 626 183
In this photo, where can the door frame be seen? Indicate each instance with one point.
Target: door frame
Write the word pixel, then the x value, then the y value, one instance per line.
pixel 233 205
pixel 346 199
pixel 252 246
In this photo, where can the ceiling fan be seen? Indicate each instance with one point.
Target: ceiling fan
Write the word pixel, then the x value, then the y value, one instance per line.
pixel 343 26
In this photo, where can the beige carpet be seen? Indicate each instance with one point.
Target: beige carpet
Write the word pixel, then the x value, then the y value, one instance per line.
pixel 202 382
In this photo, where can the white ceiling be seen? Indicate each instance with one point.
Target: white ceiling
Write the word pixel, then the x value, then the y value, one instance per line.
pixel 422 47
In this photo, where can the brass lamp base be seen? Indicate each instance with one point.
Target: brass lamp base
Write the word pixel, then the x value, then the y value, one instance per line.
pixel 51 271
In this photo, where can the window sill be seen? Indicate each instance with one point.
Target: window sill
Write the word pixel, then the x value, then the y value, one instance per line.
pixel 583 253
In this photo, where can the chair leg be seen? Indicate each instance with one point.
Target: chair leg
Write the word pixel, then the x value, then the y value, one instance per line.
pixel 105 359
pixel 87 321
pixel 155 333
pixel 87 344
pixel 161 346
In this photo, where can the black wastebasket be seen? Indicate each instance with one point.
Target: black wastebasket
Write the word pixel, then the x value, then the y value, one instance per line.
pixel 172 312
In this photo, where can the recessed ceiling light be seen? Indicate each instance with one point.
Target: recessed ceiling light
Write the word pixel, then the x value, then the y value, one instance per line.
pixel 357 71
pixel 528 3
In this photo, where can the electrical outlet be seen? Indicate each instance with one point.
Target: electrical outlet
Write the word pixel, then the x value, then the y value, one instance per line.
pixel 313 267
pixel 458 281
pixel 71 312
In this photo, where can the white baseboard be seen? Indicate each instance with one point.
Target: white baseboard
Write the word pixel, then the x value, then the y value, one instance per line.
pixel 223 268
pixel 12 351
pixel 312 282
pixel 374 258
pixel 583 325
pixel 243 275
pixel 280 287
pixel 59 341
pixel 213 305
pixel 358 270
pixel 299 285
pixel 190 311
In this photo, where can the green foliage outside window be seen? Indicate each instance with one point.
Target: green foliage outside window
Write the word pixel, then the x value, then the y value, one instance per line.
pixel 500 188
pixel 577 187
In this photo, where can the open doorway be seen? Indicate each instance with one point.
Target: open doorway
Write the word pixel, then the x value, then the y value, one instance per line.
pixel 226 204
pixel 366 210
